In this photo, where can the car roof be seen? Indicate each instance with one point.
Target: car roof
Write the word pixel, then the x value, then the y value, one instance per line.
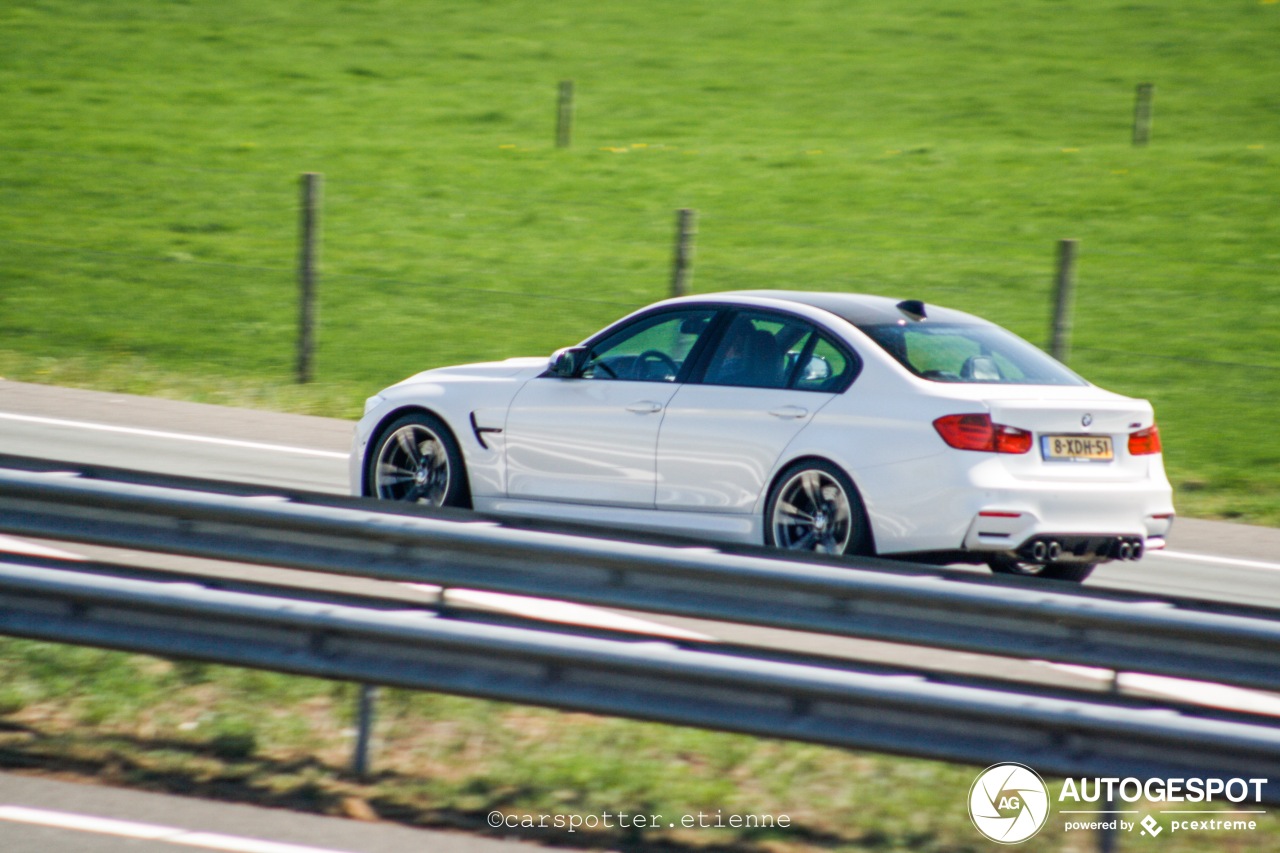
pixel 860 309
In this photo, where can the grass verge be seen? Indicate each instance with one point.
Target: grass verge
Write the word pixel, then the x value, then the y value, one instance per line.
pixel 443 761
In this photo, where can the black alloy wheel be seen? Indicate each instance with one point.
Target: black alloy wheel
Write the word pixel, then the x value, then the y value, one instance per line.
pixel 814 507
pixel 416 460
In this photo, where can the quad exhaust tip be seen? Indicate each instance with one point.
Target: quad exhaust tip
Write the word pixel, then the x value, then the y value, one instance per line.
pixel 1046 551
pixel 1129 549
pixel 1050 550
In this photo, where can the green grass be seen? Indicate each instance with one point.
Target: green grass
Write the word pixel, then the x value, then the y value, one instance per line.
pixel 445 761
pixel 150 154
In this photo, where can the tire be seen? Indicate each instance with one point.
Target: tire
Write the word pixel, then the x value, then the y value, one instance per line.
pixel 1075 572
pixel 814 506
pixel 416 459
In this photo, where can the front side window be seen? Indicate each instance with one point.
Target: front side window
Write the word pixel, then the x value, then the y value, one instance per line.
pixel 652 349
pixel 971 353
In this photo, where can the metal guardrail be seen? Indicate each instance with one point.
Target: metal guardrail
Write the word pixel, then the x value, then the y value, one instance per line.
pixel 647 680
pixel 461 605
pixel 1012 621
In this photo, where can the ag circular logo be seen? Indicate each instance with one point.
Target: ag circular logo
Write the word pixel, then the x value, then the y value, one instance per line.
pixel 1008 803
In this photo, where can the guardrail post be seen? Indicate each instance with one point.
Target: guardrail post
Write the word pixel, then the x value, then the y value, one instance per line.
pixel 366 705
pixel 1108 839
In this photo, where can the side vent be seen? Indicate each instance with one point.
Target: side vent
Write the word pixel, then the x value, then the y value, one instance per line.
pixel 480 431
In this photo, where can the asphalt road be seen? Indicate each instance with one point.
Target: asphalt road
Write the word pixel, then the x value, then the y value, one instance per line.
pixel 50 816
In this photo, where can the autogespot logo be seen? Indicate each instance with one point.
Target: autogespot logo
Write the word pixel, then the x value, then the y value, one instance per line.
pixel 1009 803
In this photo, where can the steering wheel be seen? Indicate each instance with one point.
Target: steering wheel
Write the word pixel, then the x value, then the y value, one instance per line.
pixel 650 356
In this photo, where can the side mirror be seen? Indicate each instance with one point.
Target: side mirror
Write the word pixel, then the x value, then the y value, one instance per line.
pixel 567 363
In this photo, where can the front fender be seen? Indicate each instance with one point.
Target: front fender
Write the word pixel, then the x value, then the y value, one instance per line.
pixel 473 408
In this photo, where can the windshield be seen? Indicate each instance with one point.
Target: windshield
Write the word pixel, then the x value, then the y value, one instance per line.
pixel 963 352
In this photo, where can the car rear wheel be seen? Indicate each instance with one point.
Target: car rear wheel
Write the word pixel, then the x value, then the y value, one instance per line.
pixel 416 460
pixel 814 506
pixel 1061 571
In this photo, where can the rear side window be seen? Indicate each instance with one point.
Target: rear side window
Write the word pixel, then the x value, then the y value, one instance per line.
pixel 765 350
pixel 825 368
pixel 970 353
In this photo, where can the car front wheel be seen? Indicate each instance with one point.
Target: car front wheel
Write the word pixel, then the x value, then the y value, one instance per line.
pixel 814 506
pixel 416 460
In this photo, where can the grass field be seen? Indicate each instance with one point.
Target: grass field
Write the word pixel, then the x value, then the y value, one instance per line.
pixel 150 154
pixel 444 761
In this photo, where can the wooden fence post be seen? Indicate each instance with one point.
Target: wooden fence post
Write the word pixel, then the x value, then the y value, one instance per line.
pixel 564 120
pixel 308 272
pixel 1142 114
pixel 1064 296
pixel 682 266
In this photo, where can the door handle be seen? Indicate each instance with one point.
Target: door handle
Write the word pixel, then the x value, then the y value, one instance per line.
pixel 789 412
pixel 645 407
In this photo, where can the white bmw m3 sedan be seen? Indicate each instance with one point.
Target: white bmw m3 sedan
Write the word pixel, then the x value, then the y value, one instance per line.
pixel 835 423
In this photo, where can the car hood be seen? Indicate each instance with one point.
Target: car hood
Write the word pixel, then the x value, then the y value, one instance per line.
pixel 511 368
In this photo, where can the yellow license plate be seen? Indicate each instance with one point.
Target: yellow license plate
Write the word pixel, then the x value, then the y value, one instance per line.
pixel 1077 448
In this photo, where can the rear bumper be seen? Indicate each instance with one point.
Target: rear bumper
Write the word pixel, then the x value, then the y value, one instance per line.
pixel 1097 528
pixel 972 503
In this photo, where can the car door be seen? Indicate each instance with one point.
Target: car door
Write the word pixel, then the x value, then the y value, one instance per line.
pixel 592 438
pixel 767 377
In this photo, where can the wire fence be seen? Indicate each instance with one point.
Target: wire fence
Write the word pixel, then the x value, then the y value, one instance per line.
pixel 579 261
pixel 499 205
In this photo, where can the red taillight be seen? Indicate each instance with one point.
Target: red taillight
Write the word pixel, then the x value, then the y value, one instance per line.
pixel 977 432
pixel 1144 442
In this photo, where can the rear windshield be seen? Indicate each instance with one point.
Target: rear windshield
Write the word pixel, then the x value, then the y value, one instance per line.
pixel 962 352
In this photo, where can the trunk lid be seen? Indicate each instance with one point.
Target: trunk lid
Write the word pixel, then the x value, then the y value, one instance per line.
pixel 1086 438
pixel 1097 416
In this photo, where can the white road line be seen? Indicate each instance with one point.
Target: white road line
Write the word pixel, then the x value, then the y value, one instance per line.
pixel 567 613
pixel 1201 693
pixel 1204 693
pixel 174 436
pixel 562 612
pixel 151 832
pixel 1207 558
pixel 10 545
